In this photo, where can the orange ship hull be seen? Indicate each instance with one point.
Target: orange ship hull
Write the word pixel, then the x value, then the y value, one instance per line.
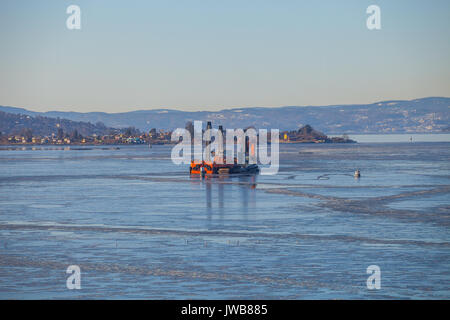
pixel 208 167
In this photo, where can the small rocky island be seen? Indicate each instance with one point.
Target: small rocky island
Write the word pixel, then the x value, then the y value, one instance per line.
pixel 307 134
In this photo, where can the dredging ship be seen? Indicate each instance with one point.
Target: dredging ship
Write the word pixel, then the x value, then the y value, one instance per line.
pixel 216 162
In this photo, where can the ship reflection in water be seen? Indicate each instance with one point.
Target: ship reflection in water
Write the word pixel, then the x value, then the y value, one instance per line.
pixel 220 194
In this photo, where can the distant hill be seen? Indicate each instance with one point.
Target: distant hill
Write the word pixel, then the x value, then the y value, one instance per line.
pixel 44 126
pixel 426 115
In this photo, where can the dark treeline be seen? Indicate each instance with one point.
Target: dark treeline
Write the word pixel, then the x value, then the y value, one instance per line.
pixel 18 124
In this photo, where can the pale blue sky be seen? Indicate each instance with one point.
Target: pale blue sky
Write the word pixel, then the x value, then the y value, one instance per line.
pixel 207 54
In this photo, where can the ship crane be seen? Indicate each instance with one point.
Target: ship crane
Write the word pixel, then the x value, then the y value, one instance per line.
pixel 217 164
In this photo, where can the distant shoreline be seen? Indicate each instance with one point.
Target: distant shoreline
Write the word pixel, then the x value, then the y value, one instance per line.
pixel 400 137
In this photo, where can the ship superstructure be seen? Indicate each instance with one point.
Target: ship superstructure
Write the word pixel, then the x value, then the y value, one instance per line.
pixel 216 162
